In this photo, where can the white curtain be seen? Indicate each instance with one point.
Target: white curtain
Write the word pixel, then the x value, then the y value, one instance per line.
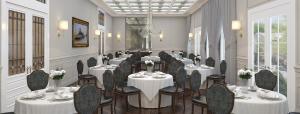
pixel 217 15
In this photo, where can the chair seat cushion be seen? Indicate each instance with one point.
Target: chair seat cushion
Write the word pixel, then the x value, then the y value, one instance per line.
pixel 129 89
pixel 294 113
pixel 170 89
pixel 105 100
pixel 86 76
pixel 199 99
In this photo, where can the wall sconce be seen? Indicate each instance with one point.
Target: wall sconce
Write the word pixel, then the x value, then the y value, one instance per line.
pixel 119 36
pixel 161 36
pixel 237 26
pixel 62 26
pixel 191 35
pixel 109 35
pixel 97 33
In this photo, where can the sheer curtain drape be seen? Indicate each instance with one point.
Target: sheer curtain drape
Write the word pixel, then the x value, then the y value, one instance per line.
pixel 215 16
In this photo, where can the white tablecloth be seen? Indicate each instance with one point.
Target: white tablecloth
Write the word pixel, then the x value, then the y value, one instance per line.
pixel 150 87
pixel 186 61
pixel 152 58
pixel 45 105
pixel 98 72
pixel 256 105
pixel 116 61
pixel 203 71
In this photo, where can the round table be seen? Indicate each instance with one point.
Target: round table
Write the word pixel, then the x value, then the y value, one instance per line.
pixel 45 105
pixel 150 87
pixel 152 58
pixel 98 72
pixel 205 72
pixel 257 105
pixel 117 61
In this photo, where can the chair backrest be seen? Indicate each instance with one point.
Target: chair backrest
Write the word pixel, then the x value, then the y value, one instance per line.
pixel 223 67
pixel 192 56
pixel 220 99
pixel 266 79
pixel 195 81
pixel 119 78
pixel 184 54
pixel 180 77
pixel 210 62
pixel 110 56
pixel 86 99
pixel 117 54
pixel 125 67
pixel 79 67
pixel 91 62
pixel 37 80
pixel 108 80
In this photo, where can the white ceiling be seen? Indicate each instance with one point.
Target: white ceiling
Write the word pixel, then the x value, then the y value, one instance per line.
pixel 154 6
pixel 133 8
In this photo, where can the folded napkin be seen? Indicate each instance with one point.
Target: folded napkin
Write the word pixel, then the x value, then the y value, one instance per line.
pixel 267 94
pixel 34 94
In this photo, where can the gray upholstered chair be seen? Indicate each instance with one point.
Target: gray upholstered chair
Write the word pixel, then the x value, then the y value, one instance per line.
pixel 106 97
pixel 210 62
pixel 266 79
pixel 220 99
pixel 91 62
pixel 84 78
pixel 197 98
pixel 110 56
pixel 126 68
pixel 294 113
pixel 37 80
pixel 121 88
pixel 86 99
pixel 184 54
pixel 223 67
pixel 176 90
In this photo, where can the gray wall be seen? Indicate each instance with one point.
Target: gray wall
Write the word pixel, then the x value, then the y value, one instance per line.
pixel 174 29
pixel 61 52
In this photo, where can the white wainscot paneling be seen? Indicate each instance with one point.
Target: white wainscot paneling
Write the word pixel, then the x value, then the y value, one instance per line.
pixel 297 70
pixel 70 65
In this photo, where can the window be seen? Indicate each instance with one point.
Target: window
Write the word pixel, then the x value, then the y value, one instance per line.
pixel 222 46
pixel 16 44
pixel 207 46
pixel 43 1
pixel 38 33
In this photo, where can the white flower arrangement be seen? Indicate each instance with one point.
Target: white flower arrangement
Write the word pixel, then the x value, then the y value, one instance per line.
pixel 149 63
pixel 105 58
pixel 245 73
pixel 57 75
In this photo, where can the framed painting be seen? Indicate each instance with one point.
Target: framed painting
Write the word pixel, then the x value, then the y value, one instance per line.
pixel 80 33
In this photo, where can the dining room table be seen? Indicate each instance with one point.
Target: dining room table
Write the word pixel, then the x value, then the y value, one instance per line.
pixel 98 72
pixel 46 102
pixel 204 70
pixel 152 58
pixel 150 83
pixel 258 101
pixel 117 61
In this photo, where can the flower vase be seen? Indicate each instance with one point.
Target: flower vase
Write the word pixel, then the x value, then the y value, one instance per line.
pixel 244 82
pixel 149 69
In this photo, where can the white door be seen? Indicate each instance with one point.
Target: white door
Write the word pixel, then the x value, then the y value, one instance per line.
pixel 24 48
pixel 271 43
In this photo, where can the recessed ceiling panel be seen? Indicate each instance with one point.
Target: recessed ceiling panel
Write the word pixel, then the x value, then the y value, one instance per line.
pixel 154 6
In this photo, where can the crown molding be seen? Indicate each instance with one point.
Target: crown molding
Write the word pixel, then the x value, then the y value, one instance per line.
pixel 108 10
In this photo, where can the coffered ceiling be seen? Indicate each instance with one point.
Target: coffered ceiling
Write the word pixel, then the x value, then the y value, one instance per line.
pixel 142 7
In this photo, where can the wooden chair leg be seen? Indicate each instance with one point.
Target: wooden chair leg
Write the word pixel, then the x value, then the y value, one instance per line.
pixel 202 110
pixel 111 108
pixel 192 108
pixel 126 100
pixel 183 98
pixel 159 98
pixel 115 102
pixel 140 102
pixel 101 110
